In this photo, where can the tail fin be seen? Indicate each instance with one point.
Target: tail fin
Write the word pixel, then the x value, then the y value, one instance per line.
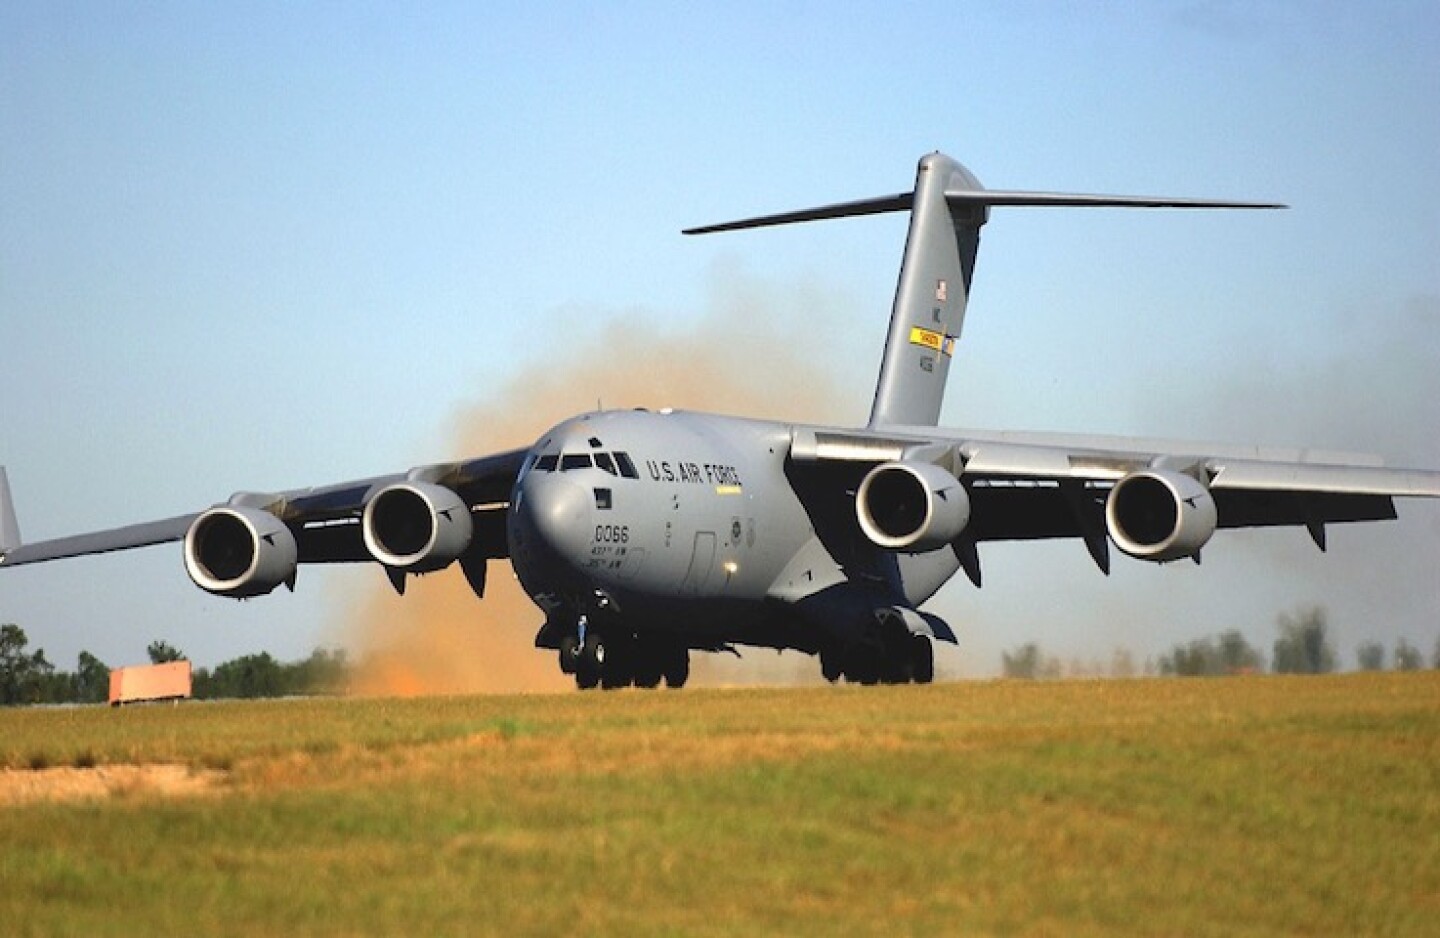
pixel 947 208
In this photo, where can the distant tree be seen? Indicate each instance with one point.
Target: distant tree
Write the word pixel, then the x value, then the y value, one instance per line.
pixel 1371 656
pixel 324 672
pixel 91 680
pixel 1435 658
pixel 1024 662
pixel 1230 653
pixel 247 676
pixel 1122 663
pixel 1197 659
pixel 24 677
pixel 1238 656
pixel 1408 657
pixel 162 652
pixel 1304 645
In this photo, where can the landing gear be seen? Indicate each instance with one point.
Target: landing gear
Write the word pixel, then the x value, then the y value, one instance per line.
pixel 897 658
pixel 676 669
pixel 922 660
pixel 592 662
pixel 569 654
pixel 615 660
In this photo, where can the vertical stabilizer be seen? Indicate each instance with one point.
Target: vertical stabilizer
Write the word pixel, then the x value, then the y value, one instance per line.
pixel 947 208
pixel 930 297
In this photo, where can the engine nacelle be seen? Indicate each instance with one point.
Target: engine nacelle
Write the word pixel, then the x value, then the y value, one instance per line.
pixel 417 527
pixel 1160 514
pixel 239 551
pixel 912 506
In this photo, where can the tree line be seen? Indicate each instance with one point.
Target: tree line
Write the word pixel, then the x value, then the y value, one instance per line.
pixel 1303 646
pixel 28 677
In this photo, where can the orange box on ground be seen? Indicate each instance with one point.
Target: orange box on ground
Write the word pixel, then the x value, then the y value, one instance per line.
pixel 169 681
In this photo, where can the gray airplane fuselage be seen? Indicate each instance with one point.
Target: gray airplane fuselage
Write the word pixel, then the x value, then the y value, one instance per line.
pixel 684 523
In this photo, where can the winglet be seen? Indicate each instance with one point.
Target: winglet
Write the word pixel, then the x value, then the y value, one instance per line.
pixel 9 527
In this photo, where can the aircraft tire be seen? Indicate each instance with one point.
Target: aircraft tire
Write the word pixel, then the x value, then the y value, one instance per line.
pixel 617 669
pixel 896 666
pixel 649 663
pixel 569 654
pixel 677 668
pixel 591 662
pixel 832 665
pixel 865 663
pixel 922 660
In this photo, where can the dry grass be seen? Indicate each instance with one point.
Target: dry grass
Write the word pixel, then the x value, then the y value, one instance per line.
pixel 1254 805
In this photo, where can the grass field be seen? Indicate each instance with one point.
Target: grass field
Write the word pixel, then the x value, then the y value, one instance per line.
pixel 1257 805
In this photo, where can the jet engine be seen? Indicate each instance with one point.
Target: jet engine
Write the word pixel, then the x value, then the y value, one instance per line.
pixel 911 506
pixel 417 527
pixel 239 551
pixel 1160 514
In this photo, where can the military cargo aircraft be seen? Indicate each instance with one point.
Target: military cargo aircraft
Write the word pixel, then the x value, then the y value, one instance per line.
pixel 644 536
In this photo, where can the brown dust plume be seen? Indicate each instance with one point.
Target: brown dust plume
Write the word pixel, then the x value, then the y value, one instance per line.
pixel 741 358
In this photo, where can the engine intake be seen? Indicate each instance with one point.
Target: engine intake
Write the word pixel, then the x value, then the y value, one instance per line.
pixel 911 506
pixel 239 552
pixel 417 527
pixel 1159 514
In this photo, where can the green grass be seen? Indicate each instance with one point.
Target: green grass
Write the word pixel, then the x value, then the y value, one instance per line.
pixel 1256 805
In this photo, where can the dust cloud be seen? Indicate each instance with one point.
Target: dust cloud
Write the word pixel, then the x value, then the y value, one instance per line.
pixel 741 357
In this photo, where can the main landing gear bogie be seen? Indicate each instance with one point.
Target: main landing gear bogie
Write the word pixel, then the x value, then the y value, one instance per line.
pixel 894 658
pixel 613 661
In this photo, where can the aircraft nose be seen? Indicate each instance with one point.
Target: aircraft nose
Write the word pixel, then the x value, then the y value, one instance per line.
pixel 558 511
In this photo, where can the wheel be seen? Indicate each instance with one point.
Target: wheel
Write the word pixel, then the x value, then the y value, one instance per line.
pixel 617 665
pixel 895 665
pixel 863 662
pixel 569 654
pixel 590 662
pixel 649 664
pixel 832 665
pixel 677 667
pixel 922 659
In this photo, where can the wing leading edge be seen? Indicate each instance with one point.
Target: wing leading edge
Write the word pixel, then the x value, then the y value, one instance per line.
pixel 325 520
pixel 1034 486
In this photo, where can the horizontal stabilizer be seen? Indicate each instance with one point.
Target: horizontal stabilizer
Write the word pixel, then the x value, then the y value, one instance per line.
pixel 1080 200
pixel 877 206
pixel 904 201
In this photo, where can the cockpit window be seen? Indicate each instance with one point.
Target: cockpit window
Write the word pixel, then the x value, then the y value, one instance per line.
pixel 615 464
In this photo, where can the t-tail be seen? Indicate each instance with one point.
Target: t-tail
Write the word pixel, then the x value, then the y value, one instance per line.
pixel 947 208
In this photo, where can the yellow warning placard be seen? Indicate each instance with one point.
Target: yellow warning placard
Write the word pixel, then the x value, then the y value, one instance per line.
pixel 928 338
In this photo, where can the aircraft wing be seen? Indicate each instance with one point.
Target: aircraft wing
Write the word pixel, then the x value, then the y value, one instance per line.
pixel 1026 486
pixel 325 521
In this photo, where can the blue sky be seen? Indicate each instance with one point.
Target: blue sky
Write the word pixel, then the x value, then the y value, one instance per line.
pixel 265 246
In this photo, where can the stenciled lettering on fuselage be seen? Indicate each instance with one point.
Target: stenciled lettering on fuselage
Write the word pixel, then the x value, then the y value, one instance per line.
pixel 610 547
pixel 719 475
